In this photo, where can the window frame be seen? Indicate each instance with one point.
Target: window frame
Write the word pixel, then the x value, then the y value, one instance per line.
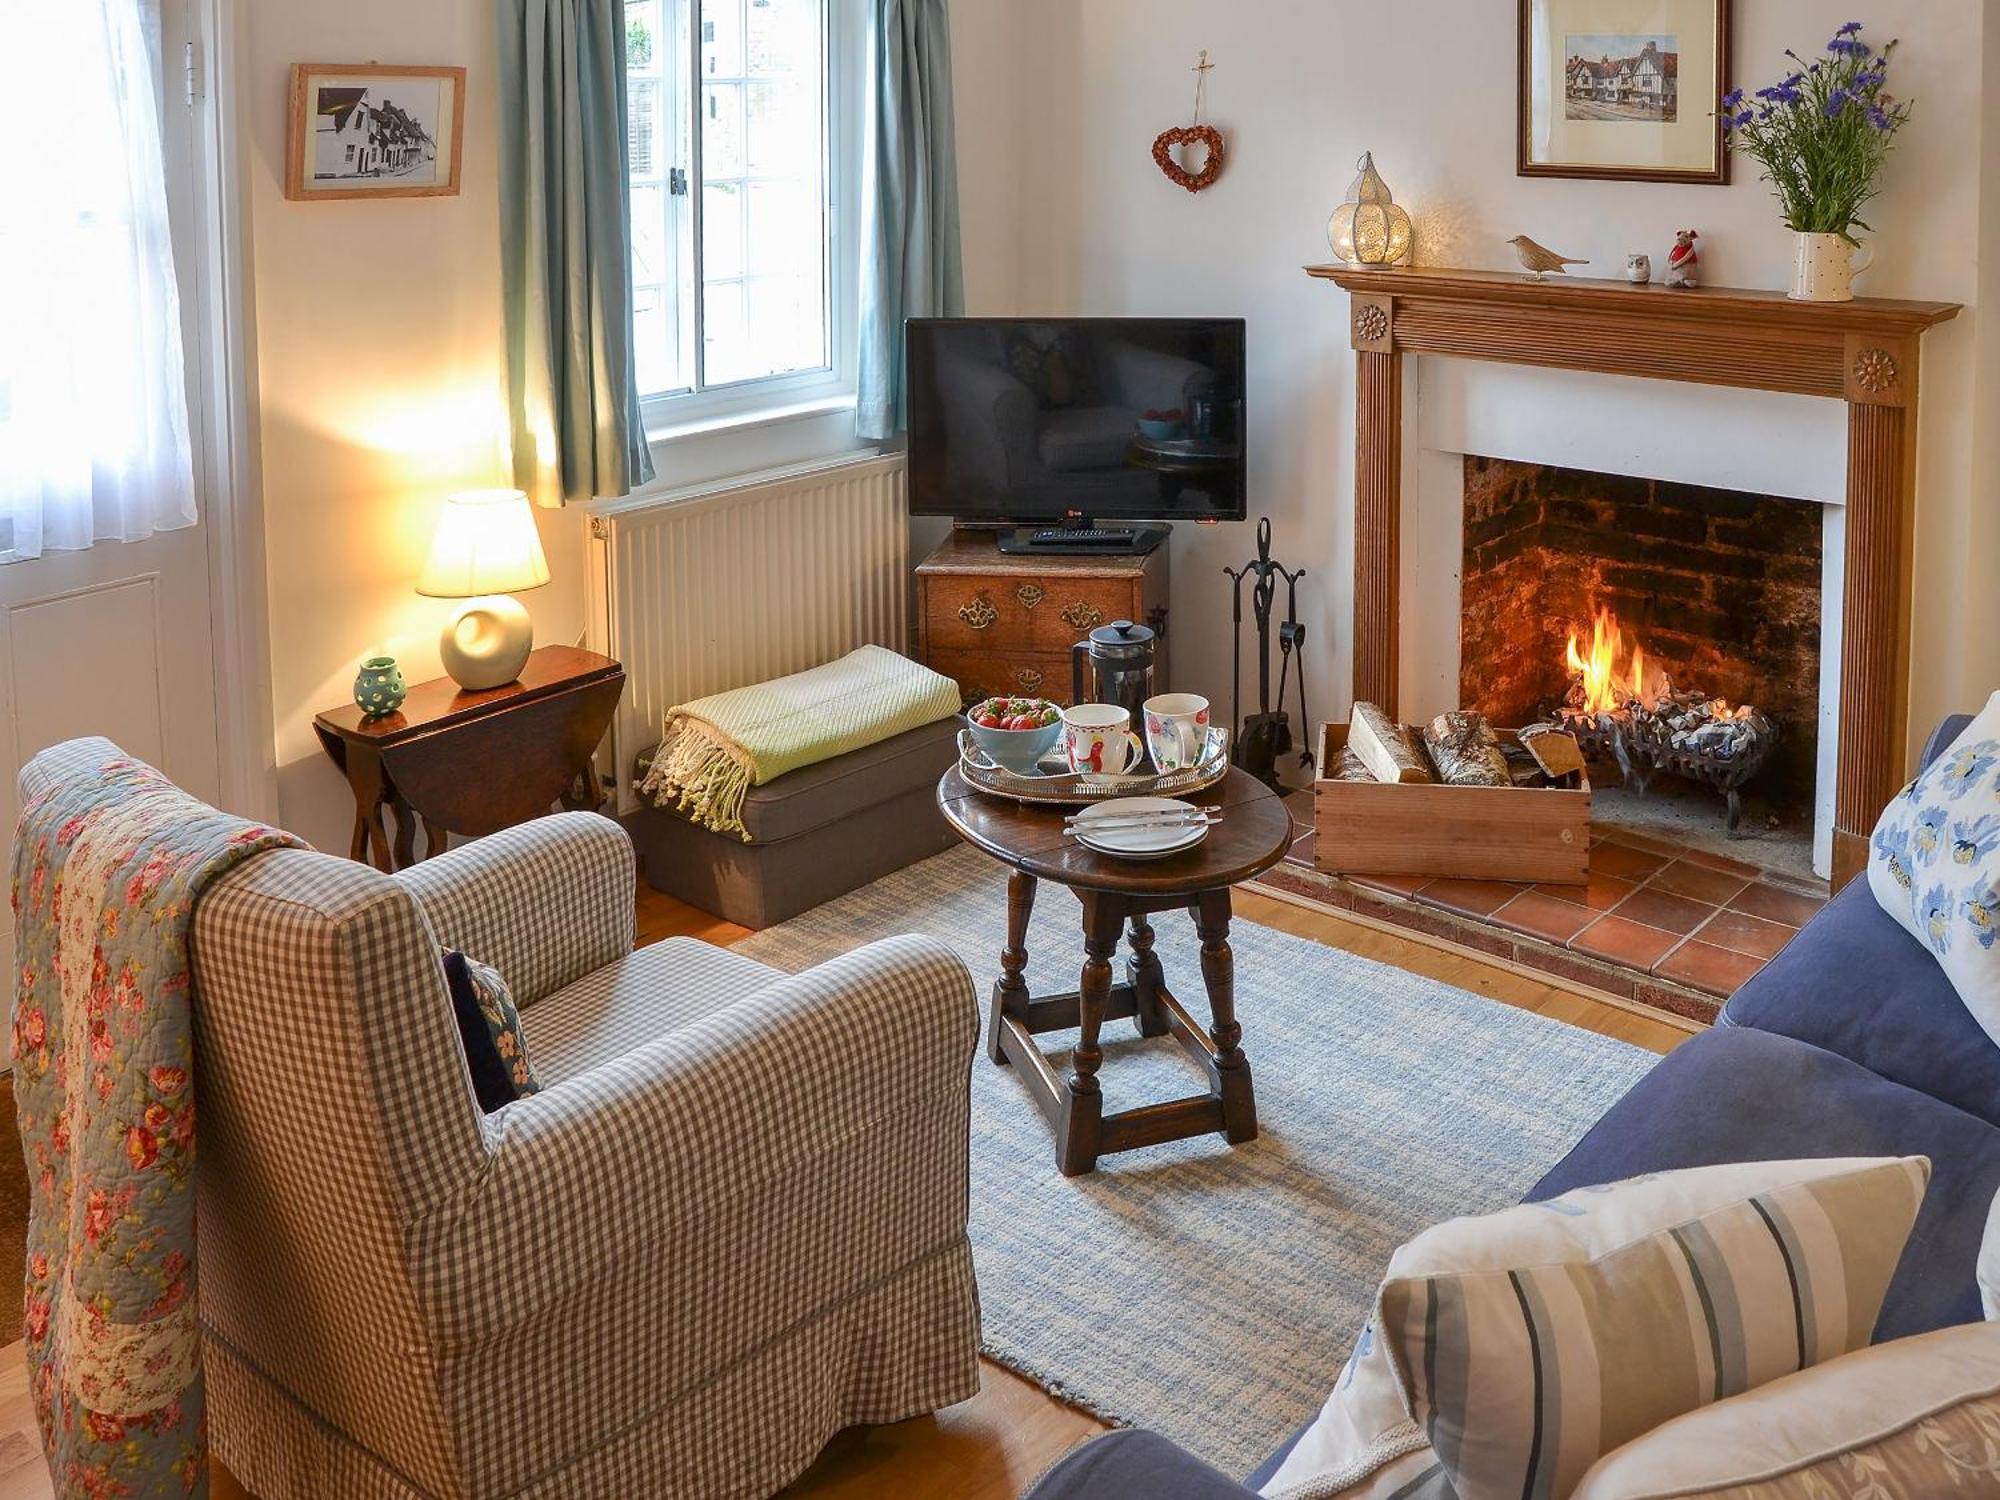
pixel 703 408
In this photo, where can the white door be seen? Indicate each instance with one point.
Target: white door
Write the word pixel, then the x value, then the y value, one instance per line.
pixel 116 639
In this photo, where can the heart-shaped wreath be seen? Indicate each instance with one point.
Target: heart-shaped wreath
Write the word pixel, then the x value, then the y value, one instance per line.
pixel 1168 141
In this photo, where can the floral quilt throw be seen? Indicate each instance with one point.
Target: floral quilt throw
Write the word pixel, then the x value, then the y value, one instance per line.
pixel 107 867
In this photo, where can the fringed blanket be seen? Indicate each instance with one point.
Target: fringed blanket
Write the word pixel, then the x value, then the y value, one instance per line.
pixel 107 868
pixel 715 749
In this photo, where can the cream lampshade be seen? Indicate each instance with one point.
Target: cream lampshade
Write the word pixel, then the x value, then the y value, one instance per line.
pixel 486 549
pixel 1369 229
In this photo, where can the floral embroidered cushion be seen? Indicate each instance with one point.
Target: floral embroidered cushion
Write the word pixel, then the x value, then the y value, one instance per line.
pixel 1934 864
pixel 1917 1416
pixel 490 1028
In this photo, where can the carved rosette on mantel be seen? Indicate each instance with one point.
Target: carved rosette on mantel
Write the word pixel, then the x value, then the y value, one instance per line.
pixel 1865 353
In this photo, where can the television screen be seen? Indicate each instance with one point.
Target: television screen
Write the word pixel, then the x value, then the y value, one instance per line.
pixel 1025 420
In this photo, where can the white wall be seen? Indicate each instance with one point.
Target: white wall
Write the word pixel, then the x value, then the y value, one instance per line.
pixel 1301 88
pixel 378 350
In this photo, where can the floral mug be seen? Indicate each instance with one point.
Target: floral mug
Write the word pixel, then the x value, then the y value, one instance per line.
pixel 1176 730
pixel 1098 739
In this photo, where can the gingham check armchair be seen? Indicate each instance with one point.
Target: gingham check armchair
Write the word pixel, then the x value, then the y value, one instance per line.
pixel 732 1223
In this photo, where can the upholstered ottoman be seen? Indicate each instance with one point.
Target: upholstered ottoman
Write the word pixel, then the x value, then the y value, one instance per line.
pixel 815 833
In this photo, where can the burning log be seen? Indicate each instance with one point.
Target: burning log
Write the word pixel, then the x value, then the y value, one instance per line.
pixel 1643 723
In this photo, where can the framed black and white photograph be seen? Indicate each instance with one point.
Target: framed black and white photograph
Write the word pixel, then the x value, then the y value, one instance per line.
pixel 375 131
pixel 1624 89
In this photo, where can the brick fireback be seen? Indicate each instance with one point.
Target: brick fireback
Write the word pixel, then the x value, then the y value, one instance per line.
pixel 1722 588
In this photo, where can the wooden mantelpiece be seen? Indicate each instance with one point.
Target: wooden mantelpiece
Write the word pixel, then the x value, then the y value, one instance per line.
pixel 1865 353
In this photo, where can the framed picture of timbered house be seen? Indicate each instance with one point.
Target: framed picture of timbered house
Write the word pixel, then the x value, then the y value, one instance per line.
pixel 1624 89
pixel 373 130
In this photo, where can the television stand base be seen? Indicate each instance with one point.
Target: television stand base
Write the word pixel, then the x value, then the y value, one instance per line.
pixel 1083 541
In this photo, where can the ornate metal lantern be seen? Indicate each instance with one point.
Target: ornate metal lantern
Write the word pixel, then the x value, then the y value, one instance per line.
pixel 1369 229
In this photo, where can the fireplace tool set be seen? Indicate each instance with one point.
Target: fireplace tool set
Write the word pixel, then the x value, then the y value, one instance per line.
pixel 1263 737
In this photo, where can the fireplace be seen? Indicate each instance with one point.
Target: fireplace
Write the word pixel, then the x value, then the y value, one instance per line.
pixel 1864 354
pixel 1676 627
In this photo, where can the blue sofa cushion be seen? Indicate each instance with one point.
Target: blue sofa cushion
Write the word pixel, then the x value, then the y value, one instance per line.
pixel 1739 1095
pixel 1856 983
pixel 1137 1464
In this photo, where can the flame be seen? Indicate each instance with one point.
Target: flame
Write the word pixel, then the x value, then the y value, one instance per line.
pixel 1606 687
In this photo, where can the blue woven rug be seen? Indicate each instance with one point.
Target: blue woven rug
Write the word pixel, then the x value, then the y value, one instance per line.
pixel 1206 1292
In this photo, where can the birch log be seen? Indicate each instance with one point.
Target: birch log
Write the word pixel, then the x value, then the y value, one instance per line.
pixel 1385 747
pixel 1466 751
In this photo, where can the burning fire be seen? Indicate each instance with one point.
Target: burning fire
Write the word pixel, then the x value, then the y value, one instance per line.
pixel 1607 687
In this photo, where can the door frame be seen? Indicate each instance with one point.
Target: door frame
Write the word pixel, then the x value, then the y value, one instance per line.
pixel 226 366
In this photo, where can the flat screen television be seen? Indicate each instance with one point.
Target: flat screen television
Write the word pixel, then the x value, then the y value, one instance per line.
pixel 1068 426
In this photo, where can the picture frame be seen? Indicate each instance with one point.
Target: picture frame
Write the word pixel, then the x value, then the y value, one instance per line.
pixel 1624 90
pixel 375 130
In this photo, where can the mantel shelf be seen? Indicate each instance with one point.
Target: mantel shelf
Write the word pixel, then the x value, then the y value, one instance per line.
pixel 1651 301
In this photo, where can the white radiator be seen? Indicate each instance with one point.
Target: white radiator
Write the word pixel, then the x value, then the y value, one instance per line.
pixel 722 585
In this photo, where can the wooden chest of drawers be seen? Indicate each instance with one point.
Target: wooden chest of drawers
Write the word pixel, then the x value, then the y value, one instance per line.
pixel 1000 624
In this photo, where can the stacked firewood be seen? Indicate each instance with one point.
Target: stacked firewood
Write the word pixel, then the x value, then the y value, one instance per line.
pixel 1458 748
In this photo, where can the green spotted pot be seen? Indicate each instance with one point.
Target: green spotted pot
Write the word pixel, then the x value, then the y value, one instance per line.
pixel 379 687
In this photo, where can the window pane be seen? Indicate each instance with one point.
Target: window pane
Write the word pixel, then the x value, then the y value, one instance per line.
pixel 642 128
pixel 727 336
pixel 722 230
pixel 764 200
pixel 722 39
pixel 653 350
pixel 722 130
pixel 650 265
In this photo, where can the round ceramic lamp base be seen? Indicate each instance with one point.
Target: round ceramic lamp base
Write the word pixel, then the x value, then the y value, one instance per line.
pixel 486 643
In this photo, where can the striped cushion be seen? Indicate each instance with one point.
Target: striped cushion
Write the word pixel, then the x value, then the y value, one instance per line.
pixel 1530 1343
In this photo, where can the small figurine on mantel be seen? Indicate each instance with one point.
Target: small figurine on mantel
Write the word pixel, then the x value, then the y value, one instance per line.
pixel 1539 260
pixel 1684 261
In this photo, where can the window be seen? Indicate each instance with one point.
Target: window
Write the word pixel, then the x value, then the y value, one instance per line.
pixel 740 143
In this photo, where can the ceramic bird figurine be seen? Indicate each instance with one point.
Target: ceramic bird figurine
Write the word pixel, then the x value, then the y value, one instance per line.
pixel 1684 261
pixel 1539 259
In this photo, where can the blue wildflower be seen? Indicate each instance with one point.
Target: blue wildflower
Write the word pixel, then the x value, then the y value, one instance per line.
pixel 1880 119
pixel 1929 835
pixel 1967 765
pixel 1972 842
pixel 1892 847
pixel 1934 916
pixel 1732 99
pixel 1850 29
pixel 1848 48
pixel 1982 912
pixel 1837 102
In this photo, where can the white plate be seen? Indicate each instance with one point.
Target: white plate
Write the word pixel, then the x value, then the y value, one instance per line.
pixel 1137 843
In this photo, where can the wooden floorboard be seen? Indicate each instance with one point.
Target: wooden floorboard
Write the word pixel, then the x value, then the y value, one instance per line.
pixel 993 1446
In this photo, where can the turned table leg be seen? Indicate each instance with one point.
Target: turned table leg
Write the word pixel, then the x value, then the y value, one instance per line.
pixel 1081 1131
pixel 1010 990
pixel 1143 973
pixel 1218 975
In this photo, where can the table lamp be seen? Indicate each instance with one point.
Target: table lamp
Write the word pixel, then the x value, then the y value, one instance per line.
pixel 486 549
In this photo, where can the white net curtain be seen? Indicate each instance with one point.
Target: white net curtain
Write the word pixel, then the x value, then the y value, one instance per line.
pixel 93 397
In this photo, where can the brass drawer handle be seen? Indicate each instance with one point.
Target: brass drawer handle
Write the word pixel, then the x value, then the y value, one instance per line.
pixel 1029 679
pixel 1030 594
pixel 1082 616
pixel 979 613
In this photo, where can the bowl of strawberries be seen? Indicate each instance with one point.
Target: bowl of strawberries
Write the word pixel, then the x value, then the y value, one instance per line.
pixel 1015 733
pixel 1163 425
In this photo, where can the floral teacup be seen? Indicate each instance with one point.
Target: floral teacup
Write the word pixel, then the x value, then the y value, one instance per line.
pixel 1098 739
pixel 1176 730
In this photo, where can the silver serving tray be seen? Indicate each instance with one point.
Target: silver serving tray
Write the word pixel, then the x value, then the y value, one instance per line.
pixel 1058 786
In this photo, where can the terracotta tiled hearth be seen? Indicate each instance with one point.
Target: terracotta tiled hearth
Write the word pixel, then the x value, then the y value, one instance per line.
pixel 1668 928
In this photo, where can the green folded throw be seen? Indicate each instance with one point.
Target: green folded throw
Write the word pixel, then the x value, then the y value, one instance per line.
pixel 715 749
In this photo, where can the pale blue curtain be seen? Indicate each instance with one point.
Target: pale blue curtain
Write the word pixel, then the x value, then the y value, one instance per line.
pixel 566 250
pixel 910 265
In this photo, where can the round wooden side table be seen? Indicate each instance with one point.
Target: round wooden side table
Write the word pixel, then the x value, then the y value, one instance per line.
pixel 1118 896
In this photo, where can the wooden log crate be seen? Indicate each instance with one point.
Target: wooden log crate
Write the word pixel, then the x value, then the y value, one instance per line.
pixel 1466 832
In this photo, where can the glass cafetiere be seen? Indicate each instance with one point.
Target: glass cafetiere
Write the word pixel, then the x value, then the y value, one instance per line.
pixel 1115 665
